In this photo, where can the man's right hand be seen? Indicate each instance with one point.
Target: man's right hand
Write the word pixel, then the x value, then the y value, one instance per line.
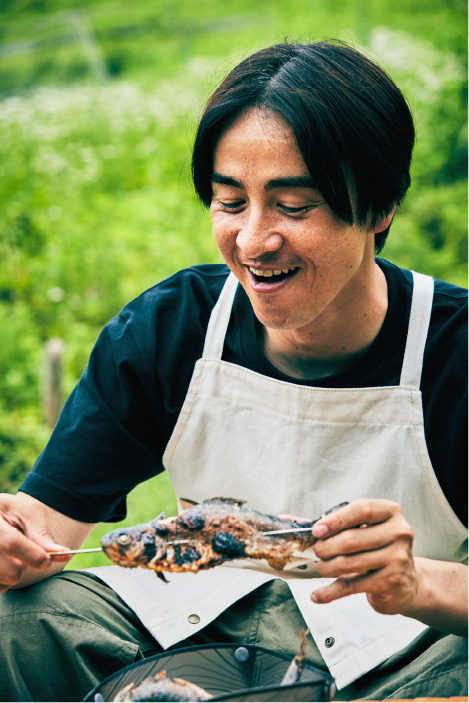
pixel 29 530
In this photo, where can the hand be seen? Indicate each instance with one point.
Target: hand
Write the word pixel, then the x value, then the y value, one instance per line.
pixel 367 545
pixel 25 539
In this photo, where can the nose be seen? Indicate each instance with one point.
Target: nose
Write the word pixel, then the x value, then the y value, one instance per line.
pixel 258 236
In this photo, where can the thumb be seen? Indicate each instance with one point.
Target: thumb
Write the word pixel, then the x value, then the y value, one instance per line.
pixel 49 545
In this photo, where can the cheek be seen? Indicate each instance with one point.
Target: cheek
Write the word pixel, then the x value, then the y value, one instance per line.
pixel 224 235
pixel 339 247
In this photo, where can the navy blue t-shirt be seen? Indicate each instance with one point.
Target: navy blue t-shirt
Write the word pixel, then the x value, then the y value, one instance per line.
pixel 115 426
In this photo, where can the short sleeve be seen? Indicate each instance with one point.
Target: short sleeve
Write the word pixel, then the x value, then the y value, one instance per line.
pixel 106 440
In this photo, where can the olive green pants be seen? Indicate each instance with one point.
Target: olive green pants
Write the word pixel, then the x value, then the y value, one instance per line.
pixel 61 637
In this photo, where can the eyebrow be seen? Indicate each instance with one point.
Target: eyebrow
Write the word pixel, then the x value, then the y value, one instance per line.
pixel 286 182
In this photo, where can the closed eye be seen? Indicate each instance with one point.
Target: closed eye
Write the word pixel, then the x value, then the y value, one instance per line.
pixel 289 210
pixel 294 210
pixel 232 206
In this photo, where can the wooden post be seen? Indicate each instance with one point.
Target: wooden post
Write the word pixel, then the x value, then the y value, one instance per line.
pixel 91 46
pixel 52 381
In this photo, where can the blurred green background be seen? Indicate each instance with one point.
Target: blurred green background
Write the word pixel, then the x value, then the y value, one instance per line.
pixel 98 105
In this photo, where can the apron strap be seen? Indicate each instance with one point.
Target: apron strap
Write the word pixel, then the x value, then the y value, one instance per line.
pixel 419 321
pixel 219 319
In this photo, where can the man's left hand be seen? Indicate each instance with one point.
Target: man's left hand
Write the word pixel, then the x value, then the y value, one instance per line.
pixel 367 546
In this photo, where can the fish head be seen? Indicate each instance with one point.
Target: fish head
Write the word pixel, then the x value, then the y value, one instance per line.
pixel 133 546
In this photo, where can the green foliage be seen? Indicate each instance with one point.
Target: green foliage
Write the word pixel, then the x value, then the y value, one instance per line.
pixel 21 440
pixel 430 233
pixel 96 198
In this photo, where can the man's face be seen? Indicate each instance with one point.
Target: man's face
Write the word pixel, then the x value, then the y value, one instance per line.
pixel 295 259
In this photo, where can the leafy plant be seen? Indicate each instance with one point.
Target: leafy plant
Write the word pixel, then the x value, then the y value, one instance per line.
pixel 96 198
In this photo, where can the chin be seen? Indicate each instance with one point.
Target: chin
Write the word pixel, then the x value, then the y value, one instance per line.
pixel 278 321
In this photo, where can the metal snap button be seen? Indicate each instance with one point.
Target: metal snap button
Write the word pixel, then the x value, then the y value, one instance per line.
pixel 241 654
pixel 193 619
pixel 329 642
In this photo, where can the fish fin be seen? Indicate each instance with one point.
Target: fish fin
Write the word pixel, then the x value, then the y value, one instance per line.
pixel 186 504
pixel 277 562
pixel 306 545
pixel 230 501
pixel 161 516
pixel 303 523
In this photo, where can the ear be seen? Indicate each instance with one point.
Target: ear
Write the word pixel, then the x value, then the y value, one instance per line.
pixel 383 222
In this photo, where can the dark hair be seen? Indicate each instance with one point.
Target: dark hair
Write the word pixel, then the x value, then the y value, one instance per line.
pixel 352 124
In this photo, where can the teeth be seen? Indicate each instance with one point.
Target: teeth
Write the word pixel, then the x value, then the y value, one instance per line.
pixel 267 273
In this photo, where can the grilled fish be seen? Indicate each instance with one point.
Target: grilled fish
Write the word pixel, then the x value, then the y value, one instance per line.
pixel 166 688
pixel 206 535
pixel 163 688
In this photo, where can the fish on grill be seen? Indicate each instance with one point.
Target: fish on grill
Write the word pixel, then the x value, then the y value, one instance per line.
pixel 206 535
pixel 163 688
pixel 166 688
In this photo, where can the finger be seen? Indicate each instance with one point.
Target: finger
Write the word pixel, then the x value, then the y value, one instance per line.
pixel 361 563
pixel 12 571
pixel 49 546
pixel 360 512
pixel 15 544
pixel 61 557
pixel 342 587
pixel 357 540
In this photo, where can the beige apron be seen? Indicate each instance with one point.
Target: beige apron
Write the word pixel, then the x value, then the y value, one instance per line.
pixel 287 448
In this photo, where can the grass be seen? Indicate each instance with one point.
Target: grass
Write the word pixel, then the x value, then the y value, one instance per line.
pixel 94 178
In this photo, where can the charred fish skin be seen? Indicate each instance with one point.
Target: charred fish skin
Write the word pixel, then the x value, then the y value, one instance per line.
pixel 206 535
pixel 162 688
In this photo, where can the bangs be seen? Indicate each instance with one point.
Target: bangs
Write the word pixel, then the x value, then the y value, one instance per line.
pixel 351 123
pixel 318 141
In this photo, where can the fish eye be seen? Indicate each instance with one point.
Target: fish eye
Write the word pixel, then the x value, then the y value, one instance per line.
pixel 123 539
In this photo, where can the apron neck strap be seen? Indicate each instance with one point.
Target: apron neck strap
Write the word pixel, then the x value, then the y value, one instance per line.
pixel 219 319
pixel 419 321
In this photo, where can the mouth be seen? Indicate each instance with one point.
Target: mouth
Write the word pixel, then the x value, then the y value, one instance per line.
pixel 269 279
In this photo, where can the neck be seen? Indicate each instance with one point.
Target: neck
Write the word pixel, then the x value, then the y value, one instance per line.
pixel 336 339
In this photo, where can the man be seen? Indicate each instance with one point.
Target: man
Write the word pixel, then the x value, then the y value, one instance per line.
pixel 327 375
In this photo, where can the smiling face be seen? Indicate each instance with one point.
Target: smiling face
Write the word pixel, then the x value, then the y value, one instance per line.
pixel 296 260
